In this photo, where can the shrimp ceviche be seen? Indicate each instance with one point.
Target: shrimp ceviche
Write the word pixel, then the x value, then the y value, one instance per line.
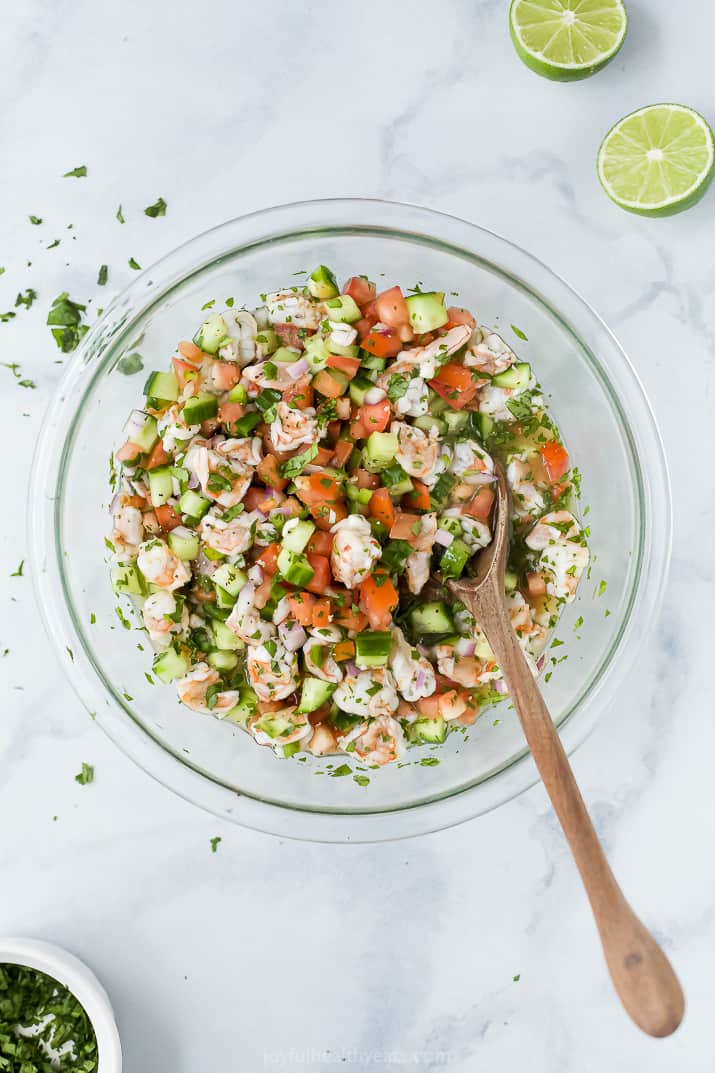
pixel 293 481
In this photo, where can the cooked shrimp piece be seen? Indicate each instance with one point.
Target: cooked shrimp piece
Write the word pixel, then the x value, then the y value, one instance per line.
pixel 468 671
pixel 272 670
pixel 319 661
pixel 527 492
pixel 281 727
pixel 471 463
pixel 493 400
pixel 128 526
pixel 292 428
pixel 378 742
pixel 173 430
pixel 355 550
pixel 369 693
pixel 429 358
pixel 564 555
pixel 242 328
pixel 202 462
pixel 161 618
pixel 277 377
pixel 422 537
pixel 294 308
pixel 161 567
pixel 324 742
pixel 475 534
pixel 421 454
pixel 246 622
pixel 488 352
pixel 417 570
pixel 248 451
pixel 193 689
pixel 413 674
pixel 342 334
pixel 229 538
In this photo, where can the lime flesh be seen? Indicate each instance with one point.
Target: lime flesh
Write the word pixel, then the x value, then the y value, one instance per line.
pixel 657 161
pixel 567 39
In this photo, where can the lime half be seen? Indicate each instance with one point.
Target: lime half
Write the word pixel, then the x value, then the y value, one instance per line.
pixel 567 39
pixel 658 160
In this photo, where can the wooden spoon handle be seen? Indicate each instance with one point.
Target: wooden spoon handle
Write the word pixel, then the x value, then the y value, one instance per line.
pixel 642 975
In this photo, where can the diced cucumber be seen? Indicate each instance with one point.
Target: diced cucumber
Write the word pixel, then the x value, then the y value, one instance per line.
pixel 427 311
pixel 351 351
pixel 212 334
pixel 127 578
pixel 314 694
pixel 372 648
pixel 437 405
pixel 427 731
pixel 212 554
pixel 170 664
pixel 161 485
pixel 193 505
pixel 359 387
pixel 396 480
pixel 222 660
pixel 238 394
pixel 456 420
pixel 439 495
pixel 183 542
pixel 284 355
pixel 245 709
pixel 225 638
pixel 199 408
pixel 428 422
pixel 214 612
pixel 360 496
pixel 322 283
pixel 371 361
pixel 511 580
pixel 295 569
pixel 516 376
pixel 395 555
pixel 454 559
pixel 286 751
pixel 269 341
pixel 224 599
pixel 431 618
pixel 230 578
pixel 451 524
pixel 317 352
pixel 482 425
pixel 296 535
pixel 343 309
pixel 275 725
pixel 246 424
pixel 162 386
pixel 341 382
pixel 380 450
pixel 141 429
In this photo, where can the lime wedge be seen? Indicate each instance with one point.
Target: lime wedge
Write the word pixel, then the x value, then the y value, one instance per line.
pixel 567 39
pixel 658 160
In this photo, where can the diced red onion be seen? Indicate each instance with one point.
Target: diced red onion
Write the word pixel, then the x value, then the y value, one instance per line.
pixel 541 661
pixel 115 505
pixel 297 369
pixel 281 612
pixel 193 480
pixel 465 646
pixel 352 669
pixel 481 478
pixel 419 679
pixel 374 394
pixel 292 635
pixel 443 537
pixel 255 574
pixel 500 686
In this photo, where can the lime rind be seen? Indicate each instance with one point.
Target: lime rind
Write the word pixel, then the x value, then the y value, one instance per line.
pixel 538 29
pixel 691 172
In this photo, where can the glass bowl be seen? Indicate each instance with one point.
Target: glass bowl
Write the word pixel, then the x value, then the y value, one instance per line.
pixel 597 401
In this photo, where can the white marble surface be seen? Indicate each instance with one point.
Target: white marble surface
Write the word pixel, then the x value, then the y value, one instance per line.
pixel 271 952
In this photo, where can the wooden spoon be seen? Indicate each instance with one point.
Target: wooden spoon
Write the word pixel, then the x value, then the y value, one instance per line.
pixel 641 973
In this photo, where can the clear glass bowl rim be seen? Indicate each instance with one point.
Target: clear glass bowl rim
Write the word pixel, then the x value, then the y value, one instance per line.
pixel 330 216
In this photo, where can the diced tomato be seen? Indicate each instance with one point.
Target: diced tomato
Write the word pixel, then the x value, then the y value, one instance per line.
pixel 263 499
pixel 405 527
pixel 324 456
pixel 268 559
pixel 321 573
pixel 229 412
pixel 365 479
pixel 374 417
pixel 381 507
pixel 469 717
pixel 448 705
pixel 360 289
pixel 342 452
pixel 481 505
pixel 457 315
pixel 334 429
pixel 346 364
pixel 325 515
pixel 391 308
pixel 559 489
pixel 556 460
pixel 364 326
pixel 225 375
pixel 185 371
pixel 301 607
pixel 322 613
pixel 535 584
pixel 191 352
pixel 167 517
pixel 419 498
pixel 344 650
pixel 349 616
pixel 129 451
pixel 291 507
pixel 357 430
pixel 318 488
pixel 332 386
pixel 455 384
pixel 378 598
pixel 300 393
pixel 134 501
pixel 157 456
pixel 291 334
pixel 320 543
pixel 268 471
pixel 382 342
pixel 263 593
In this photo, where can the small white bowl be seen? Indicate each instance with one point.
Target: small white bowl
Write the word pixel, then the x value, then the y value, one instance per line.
pixel 81 981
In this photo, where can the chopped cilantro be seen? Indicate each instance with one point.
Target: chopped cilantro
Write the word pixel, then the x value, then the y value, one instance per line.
pixel 157 209
pixel 36 220
pixel 429 761
pixel 86 775
pixel 516 978
pixel 76 173
pixel 5 317
pixel 134 264
pixel 70 653
pixel 602 588
pixel 26 299
pixel 340 771
pixel 209 305
pixel 119 215
pixel 65 321
pixel 397 387
pixel 518 332
pixel 215 842
pixel 29 997
pixel 361 780
pixel 52 245
pixel 294 466
pixel 103 275
pixel 18 572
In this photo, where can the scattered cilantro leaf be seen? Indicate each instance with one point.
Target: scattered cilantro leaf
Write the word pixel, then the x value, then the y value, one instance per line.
pixel 215 842
pixel 86 775
pixel 519 334
pixel 65 321
pixel 76 173
pixel 429 761
pixel 361 780
pixel 340 771
pixel 5 317
pixel 119 215
pixel 157 209
pixel 294 466
pixel 19 571
pixel 36 220
pixel 52 245
pixel 134 264
pixel 103 275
